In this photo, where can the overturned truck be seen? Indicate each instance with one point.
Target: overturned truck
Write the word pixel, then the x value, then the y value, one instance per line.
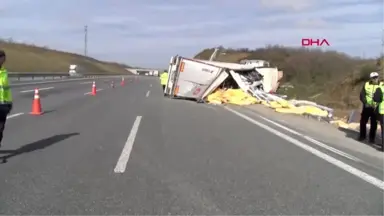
pixel 196 79
pixel 250 82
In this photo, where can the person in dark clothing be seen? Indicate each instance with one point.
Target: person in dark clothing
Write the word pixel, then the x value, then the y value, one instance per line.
pixel 378 98
pixel 369 107
pixel 5 95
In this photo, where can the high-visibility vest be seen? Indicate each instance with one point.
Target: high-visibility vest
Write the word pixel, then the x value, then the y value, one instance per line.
pixel 5 90
pixel 164 78
pixel 369 91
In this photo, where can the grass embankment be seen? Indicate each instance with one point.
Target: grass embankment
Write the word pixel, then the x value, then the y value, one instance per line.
pixel 330 78
pixel 30 58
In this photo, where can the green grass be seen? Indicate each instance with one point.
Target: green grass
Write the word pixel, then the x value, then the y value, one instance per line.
pixel 31 58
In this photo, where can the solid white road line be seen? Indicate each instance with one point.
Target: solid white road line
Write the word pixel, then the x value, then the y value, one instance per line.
pixel 147 94
pixel 124 157
pixel 40 89
pixel 14 115
pixel 316 142
pixel 91 92
pixel 358 173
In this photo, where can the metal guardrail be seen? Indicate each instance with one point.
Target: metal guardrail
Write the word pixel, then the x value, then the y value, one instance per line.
pixel 27 76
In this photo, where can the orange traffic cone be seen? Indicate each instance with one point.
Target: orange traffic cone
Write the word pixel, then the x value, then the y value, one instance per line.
pixel 113 84
pixel 122 81
pixel 36 105
pixel 93 92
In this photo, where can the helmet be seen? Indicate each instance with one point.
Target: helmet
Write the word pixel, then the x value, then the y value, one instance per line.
pixel 373 75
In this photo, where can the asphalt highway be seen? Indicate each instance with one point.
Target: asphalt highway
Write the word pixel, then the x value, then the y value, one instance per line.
pixel 130 151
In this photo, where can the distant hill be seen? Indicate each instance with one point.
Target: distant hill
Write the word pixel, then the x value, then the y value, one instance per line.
pixel 31 58
pixel 330 78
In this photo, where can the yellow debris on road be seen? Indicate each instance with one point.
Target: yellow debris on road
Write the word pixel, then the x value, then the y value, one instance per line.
pixel 239 97
pixel 232 96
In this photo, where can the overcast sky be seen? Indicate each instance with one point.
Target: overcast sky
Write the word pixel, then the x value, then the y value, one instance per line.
pixel 147 32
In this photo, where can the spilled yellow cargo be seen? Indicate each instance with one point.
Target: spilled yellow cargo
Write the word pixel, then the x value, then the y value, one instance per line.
pixel 239 97
pixel 232 96
pixel 310 110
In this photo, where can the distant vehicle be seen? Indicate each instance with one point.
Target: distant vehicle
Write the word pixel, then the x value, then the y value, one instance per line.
pixel 148 72
pixel 74 71
pixel 256 62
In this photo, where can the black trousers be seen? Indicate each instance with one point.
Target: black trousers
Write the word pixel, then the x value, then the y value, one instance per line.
pixel 366 114
pixel 4 111
pixel 163 86
pixel 381 120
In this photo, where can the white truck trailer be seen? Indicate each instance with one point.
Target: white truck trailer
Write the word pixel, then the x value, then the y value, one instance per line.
pixel 196 79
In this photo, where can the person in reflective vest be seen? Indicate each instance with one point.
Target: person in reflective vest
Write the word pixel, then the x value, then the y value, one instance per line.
pixel 164 80
pixel 369 106
pixel 5 95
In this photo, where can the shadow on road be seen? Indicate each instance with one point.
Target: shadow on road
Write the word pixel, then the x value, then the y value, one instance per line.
pixel 38 145
pixel 349 133
pixel 48 111
pixel 354 135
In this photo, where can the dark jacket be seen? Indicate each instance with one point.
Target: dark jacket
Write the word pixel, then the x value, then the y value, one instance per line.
pixel 377 96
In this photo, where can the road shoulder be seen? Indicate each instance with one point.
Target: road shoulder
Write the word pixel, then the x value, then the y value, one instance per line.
pixel 322 131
